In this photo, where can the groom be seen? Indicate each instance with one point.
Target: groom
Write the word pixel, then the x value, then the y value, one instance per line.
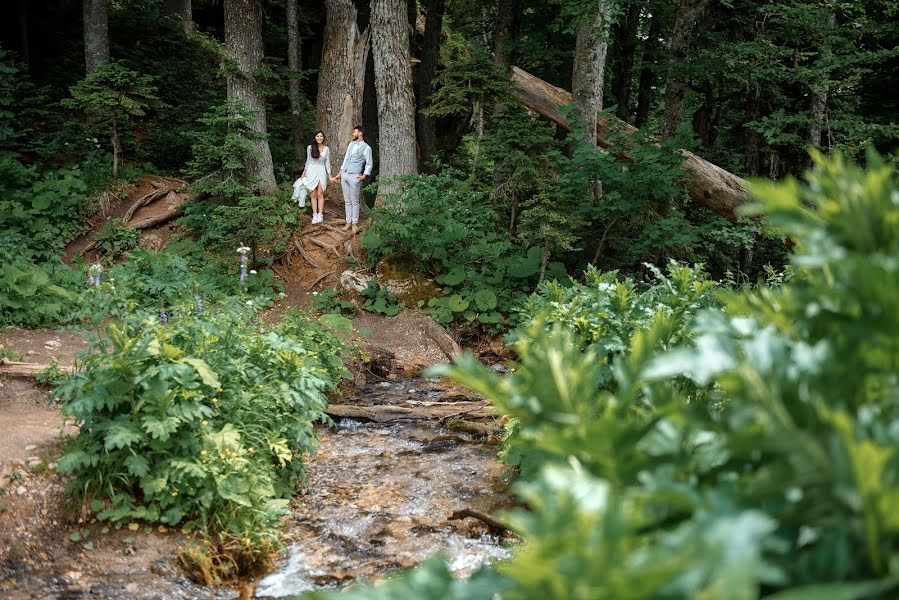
pixel 357 164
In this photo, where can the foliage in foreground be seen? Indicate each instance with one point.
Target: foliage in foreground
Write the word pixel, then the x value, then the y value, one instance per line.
pixel 758 459
pixel 201 423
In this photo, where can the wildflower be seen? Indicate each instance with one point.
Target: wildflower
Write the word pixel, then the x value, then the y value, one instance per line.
pixel 203 452
pixel 249 303
pixel 162 529
pixel 163 317
pixel 315 293
pixel 175 493
pixel 214 400
pixel 282 295
pixel 250 450
pixel 204 422
pixel 252 271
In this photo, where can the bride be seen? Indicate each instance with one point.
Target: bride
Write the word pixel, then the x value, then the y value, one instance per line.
pixel 314 180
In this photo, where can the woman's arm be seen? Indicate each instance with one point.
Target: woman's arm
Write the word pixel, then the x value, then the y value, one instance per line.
pixel 328 160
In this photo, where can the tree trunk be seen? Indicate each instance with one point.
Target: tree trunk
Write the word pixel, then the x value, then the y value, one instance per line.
pixel 820 91
pixel 116 148
pixel 647 73
pixel 685 19
pixel 183 10
pixel 626 34
pixel 243 44
pixel 341 77
pixel 393 82
pixel 588 77
pixel 708 185
pixel 508 23
pixel 24 42
pixel 752 140
pixel 425 126
pixel 96 34
pixel 294 63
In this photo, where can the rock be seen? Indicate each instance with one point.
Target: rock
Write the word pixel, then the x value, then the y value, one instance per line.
pixel 21 490
pixel 31 353
pixel 30 448
pixel 53 345
pixel 51 466
pixel 499 368
pixel 151 241
pixel 352 281
pixel 32 461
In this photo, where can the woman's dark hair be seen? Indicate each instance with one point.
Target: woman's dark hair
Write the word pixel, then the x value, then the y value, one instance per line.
pixel 314 146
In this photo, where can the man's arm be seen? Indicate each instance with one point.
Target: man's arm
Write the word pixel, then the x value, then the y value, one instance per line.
pixel 369 163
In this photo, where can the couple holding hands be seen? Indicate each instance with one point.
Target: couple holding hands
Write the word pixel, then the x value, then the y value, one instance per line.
pixel 357 165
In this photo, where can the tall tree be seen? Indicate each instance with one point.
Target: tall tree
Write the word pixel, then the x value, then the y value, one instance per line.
pixel 341 76
pixel 821 88
pixel 294 63
pixel 183 10
pixel 243 44
pixel 425 126
pixel 625 33
pixel 588 74
pixel 647 71
pixel 685 20
pixel 508 26
pixel 393 82
pixel 96 34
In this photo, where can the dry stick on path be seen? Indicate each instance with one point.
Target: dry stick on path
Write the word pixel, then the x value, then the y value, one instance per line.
pixel 325 246
pixel 444 341
pixel 24 369
pixel 707 184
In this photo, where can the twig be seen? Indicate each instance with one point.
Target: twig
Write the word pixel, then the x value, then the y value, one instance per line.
pixel 480 516
pixel 319 278
pixel 324 245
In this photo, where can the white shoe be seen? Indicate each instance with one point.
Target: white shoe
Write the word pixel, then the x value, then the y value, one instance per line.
pixel 314 218
pixel 321 217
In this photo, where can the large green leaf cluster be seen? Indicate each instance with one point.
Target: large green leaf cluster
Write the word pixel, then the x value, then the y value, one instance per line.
pixel 441 225
pixel 200 423
pixel 756 458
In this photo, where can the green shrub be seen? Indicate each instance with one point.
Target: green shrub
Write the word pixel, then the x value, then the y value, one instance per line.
pixel 380 300
pixel 757 458
pixel 116 239
pixel 201 423
pixel 36 296
pixel 330 301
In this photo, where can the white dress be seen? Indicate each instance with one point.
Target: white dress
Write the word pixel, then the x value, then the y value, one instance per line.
pixel 317 172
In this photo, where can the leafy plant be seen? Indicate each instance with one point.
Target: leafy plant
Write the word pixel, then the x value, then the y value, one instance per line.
pixel 751 454
pixel 29 297
pixel 201 423
pixel 116 239
pixel 380 300
pixel 330 301
pixel 115 94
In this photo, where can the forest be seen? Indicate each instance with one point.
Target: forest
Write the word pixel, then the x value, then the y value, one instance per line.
pixel 594 299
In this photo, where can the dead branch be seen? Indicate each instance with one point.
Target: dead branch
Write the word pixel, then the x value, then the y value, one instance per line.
pixel 24 369
pixel 324 245
pixel 458 515
pixel 385 413
pixel 440 337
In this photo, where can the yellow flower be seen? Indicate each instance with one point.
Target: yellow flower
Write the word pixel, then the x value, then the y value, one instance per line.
pixel 174 493
pixel 249 450
pixel 214 400
pixel 162 529
pixel 233 454
pixel 203 452
pixel 204 422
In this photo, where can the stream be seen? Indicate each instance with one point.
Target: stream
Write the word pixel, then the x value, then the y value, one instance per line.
pixel 378 500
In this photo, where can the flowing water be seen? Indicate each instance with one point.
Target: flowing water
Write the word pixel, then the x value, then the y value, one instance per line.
pixel 378 500
pixel 380 495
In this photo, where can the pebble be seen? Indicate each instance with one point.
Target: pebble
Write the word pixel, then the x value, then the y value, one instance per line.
pixel 51 466
pixel 20 491
pixel 30 448
pixel 31 353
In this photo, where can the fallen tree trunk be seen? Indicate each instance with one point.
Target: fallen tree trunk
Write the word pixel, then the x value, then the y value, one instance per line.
pixel 707 184
pixel 171 212
pixel 386 413
pixel 23 369
pixel 439 336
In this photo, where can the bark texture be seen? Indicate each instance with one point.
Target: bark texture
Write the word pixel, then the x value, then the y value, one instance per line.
pixel 341 78
pixel 183 10
pixel 393 82
pixel 425 126
pixel 96 34
pixel 819 93
pixel 685 19
pixel 708 185
pixel 294 63
pixel 626 34
pixel 588 76
pixel 243 44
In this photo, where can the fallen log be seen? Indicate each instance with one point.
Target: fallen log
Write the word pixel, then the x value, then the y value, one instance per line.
pixel 144 200
pixel 24 369
pixel 707 184
pixel 386 413
pixel 440 337
pixel 319 279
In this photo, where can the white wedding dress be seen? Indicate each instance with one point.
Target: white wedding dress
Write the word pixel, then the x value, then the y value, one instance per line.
pixel 317 172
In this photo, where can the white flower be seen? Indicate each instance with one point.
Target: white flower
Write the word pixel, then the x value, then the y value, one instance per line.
pixel 315 293
pixel 252 271
pixel 249 303
pixel 282 295
pixel 243 250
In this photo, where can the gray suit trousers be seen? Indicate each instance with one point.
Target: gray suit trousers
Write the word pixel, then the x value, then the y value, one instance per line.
pixel 352 194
